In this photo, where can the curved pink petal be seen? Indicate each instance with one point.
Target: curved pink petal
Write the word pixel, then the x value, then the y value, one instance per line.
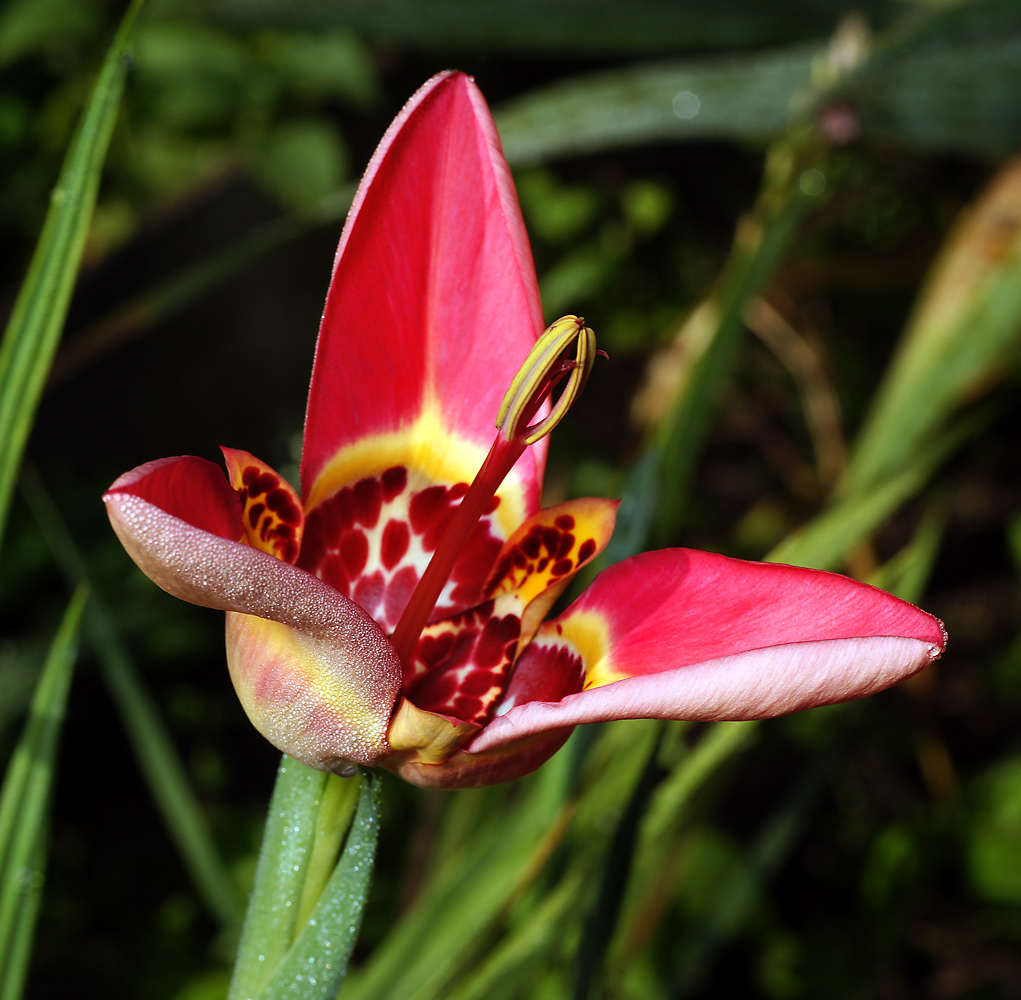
pixel 193 489
pixel 694 635
pixel 432 307
pixel 317 653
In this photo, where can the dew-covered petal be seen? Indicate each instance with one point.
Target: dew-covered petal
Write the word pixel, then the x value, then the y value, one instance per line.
pixel 189 552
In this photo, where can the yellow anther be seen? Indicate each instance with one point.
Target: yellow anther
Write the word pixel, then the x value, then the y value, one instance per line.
pixel 538 374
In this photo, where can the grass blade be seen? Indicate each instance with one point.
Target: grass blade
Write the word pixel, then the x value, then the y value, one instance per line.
pixel 25 799
pixel 40 309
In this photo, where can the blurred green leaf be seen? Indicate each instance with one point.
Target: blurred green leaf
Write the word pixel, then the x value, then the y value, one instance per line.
pixel 193 76
pixel 24 802
pixel 41 306
pixel 948 79
pixel 749 98
pixel 589 26
pixel 328 64
pixel 655 492
pixel 463 898
pixel 27 26
pixel 945 79
pixel 823 542
pixel 963 337
pixel 908 572
pixel 993 860
pixel 301 161
pixel 733 894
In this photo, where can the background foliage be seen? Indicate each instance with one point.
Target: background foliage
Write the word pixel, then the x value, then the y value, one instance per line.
pixel 796 231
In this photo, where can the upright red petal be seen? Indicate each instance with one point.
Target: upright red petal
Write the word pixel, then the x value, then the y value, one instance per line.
pixel 432 308
pixel 433 304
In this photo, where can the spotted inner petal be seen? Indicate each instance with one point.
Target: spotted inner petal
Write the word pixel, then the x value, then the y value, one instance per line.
pixel 271 508
pixel 462 665
pixel 373 539
pixel 544 554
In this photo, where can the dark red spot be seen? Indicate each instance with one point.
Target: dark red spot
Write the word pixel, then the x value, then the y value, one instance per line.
pixel 331 569
pixel 279 501
pixel 368 592
pixel 561 567
pixel 441 691
pixel 354 552
pixel 495 636
pixel 259 482
pixel 458 490
pixel 472 569
pixel 551 540
pixel 433 649
pixel 399 593
pixel 565 546
pixel 531 544
pixel 587 550
pixel 492 505
pixel 467 708
pixel 461 654
pixel 368 497
pixel 565 522
pixel 254 513
pixel 426 507
pixel 394 481
pixel 344 507
pixel 396 537
pixel 477 683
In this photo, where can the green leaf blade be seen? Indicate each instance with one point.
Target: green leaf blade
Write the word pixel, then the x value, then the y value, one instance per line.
pixel 34 327
pixel 25 797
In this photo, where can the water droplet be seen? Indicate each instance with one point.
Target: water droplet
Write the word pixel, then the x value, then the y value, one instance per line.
pixel 686 104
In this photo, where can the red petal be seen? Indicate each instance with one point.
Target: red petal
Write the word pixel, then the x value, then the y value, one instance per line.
pixel 684 634
pixel 193 489
pixel 669 608
pixel 434 302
